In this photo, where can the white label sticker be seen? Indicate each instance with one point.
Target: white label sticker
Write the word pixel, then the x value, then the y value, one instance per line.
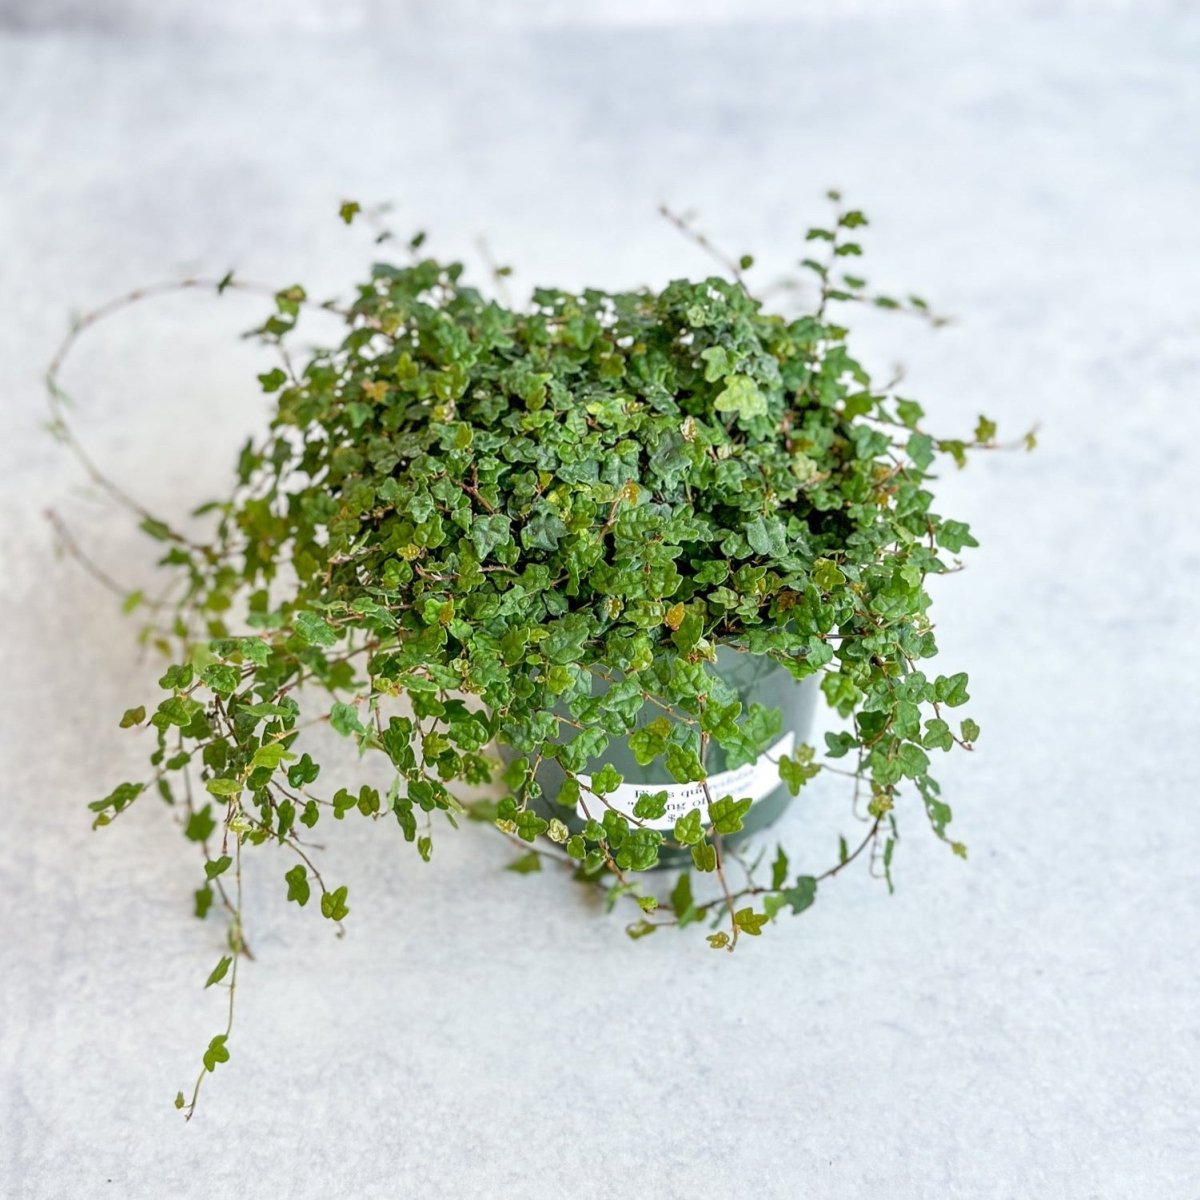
pixel 754 779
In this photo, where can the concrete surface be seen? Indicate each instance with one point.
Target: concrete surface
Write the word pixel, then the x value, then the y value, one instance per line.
pixel 1023 1025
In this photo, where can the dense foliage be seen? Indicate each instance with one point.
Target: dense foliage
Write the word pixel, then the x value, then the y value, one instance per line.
pixel 482 510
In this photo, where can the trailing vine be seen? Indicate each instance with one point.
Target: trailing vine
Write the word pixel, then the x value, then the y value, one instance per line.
pixel 470 523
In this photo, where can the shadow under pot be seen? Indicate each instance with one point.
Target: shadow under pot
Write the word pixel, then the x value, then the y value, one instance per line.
pixel 756 679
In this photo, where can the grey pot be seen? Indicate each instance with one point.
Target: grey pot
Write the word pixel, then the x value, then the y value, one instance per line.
pixel 756 679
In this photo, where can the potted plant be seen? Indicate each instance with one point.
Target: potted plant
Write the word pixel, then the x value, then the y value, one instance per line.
pixel 627 538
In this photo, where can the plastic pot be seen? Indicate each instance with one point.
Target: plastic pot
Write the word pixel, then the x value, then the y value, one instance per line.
pixel 756 679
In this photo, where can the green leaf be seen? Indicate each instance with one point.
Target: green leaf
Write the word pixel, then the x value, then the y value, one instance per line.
pixel 727 814
pixel 741 395
pixel 684 765
pixel 271 755
pixel 954 535
pixel 937 735
pixel 218 866
pixel 682 902
pixel 767 536
pixel 201 825
pixel 796 770
pixel 650 741
pixel 222 678
pixel 779 868
pixel 970 731
pixel 133 716
pixel 827 575
pixel 273 380
pixel 564 641
pixel 749 921
pixel 718 363
pixel 343 719
pixel 216 1052
pixel 218 973
pixel 527 864
pixel 224 787
pixel 119 798
pixel 606 780
pixel 303 772
pixel 704 856
pixel 951 690
pixel 650 806
pixel 689 829
pixel 299 889
pixel 333 904
pixel 315 630
pixel 802 894
pixel 543 531
pixel 529 825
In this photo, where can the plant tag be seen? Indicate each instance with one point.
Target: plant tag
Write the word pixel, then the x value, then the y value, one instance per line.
pixel 754 779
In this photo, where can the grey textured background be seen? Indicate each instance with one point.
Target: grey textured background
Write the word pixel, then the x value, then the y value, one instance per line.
pixel 1021 1025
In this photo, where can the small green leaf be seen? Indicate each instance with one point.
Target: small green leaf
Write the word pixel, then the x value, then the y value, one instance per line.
pixel 741 395
pixel 202 901
pixel 606 780
pixel 314 629
pixel 224 787
pixel 937 735
pixel 682 901
pixel 718 363
pixel 684 765
pixel 749 921
pixel 218 972
pixel 222 678
pixel 218 866
pixel 727 814
pixel 802 895
pixel 271 755
pixel 216 1052
pixel 951 690
pixel 796 770
pixel 689 828
pixel 343 719
pixel 333 904
pixel 133 716
pixel 298 885
pixel 303 772
pixel 650 806
pixel 779 868
pixel 527 864
pixel 200 825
